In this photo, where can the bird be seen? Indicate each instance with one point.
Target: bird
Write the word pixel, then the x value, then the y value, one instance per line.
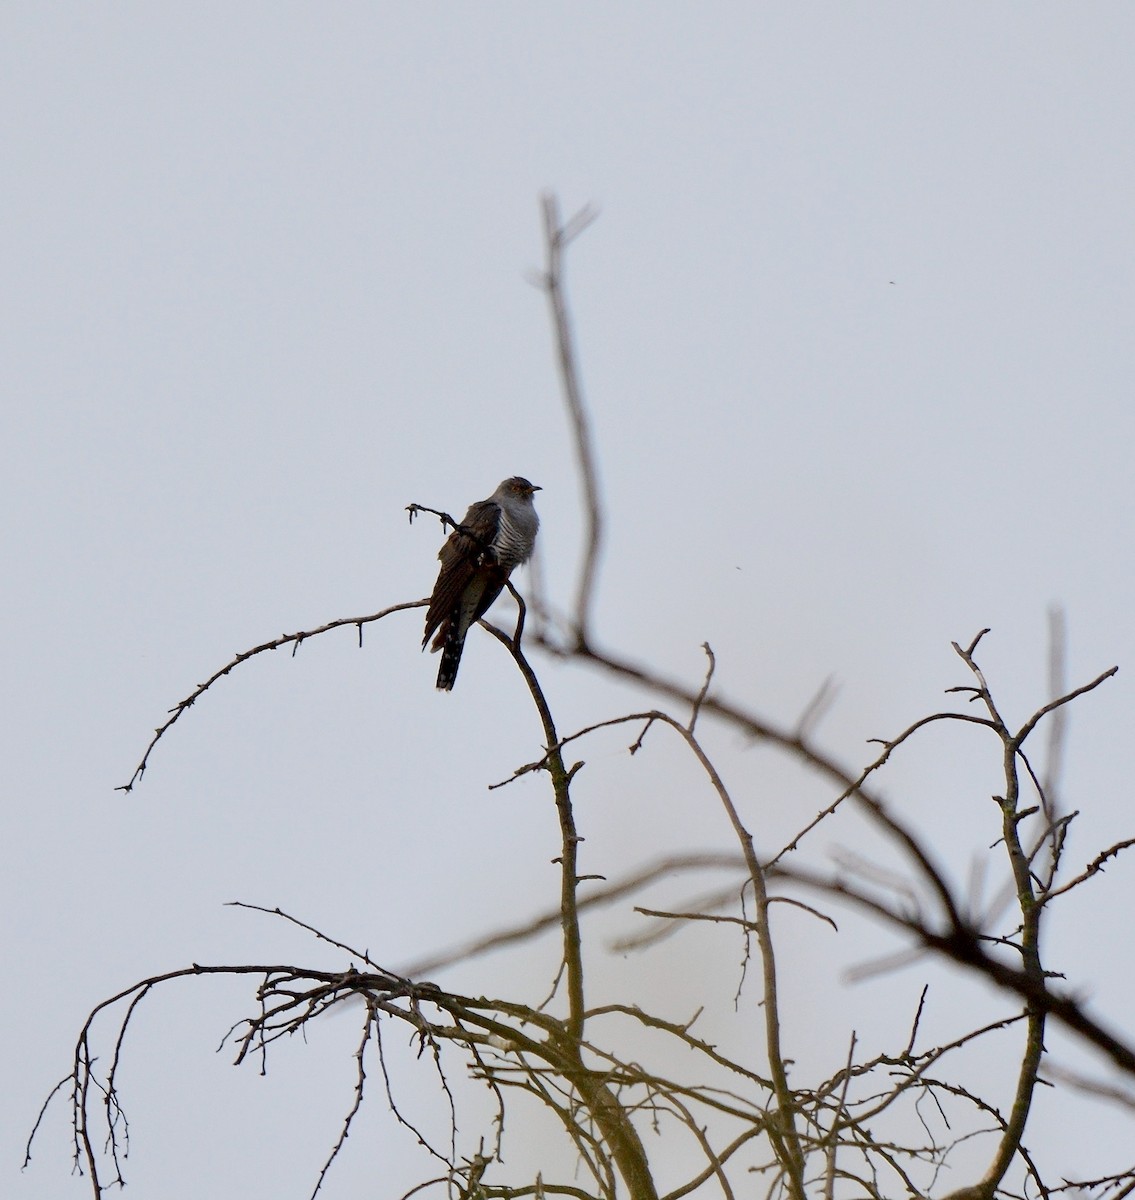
pixel 495 536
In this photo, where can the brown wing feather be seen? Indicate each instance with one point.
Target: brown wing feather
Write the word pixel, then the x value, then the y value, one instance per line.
pixel 461 556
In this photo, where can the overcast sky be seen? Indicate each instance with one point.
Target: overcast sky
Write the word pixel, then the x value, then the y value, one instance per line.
pixel 855 325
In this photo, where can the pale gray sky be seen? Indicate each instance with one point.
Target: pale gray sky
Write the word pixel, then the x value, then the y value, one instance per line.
pixel 855 324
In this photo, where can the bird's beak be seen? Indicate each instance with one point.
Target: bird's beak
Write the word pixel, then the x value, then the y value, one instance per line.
pixel 537 488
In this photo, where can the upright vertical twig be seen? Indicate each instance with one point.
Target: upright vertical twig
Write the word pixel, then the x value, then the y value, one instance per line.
pixel 1009 1144
pixel 602 1104
pixel 782 1128
pixel 557 237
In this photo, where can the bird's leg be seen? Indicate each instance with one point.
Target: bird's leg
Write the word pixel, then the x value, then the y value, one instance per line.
pixel 447 522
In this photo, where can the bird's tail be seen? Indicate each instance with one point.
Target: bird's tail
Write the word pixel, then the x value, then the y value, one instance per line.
pixel 450 658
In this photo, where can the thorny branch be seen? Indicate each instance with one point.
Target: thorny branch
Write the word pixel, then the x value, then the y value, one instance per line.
pixel 295 640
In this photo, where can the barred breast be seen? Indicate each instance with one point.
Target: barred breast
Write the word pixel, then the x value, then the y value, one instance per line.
pixel 516 535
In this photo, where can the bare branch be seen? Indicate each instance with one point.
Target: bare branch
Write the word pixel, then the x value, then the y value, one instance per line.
pixel 557 237
pixel 815 709
pixel 710 666
pixel 295 640
pixel 361 955
pixel 964 946
pixel 1091 1087
pixel 1095 867
pixel 829 1182
pixel 640 879
pixel 1058 726
pixel 360 1086
pixel 1052 705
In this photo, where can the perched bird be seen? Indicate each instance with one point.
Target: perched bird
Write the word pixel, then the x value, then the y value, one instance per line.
pixel 497 535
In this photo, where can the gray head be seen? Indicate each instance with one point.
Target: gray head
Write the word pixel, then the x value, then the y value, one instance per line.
pixel 516 487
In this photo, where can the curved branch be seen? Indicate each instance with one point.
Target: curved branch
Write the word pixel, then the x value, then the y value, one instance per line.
pixel 295 640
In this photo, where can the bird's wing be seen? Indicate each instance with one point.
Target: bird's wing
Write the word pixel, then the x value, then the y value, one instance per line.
pixel 461 556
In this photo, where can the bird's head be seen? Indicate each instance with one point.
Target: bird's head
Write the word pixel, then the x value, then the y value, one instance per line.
pixel 519 486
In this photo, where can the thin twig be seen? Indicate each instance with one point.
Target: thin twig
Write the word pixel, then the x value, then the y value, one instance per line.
pixel 557 237
pixel 295 640
pixel 514 934
pixel 710 666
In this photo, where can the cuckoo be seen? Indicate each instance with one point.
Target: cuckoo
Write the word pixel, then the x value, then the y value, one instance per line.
pixel 495 536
